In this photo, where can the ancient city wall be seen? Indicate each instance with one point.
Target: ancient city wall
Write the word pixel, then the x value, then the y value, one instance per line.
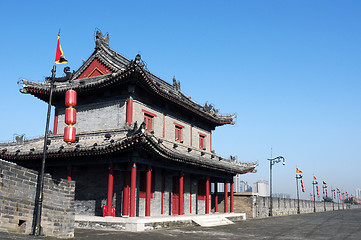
pixel 256 206
pixel 17 197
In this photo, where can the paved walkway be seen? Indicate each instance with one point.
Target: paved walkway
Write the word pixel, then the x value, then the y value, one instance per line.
pixel 343 224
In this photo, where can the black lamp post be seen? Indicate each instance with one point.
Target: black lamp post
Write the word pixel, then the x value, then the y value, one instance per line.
pixel 343 201
pixel 37 229
pixel 314 182
pixel 338 201
pixel 333 202
pixel 324 186
pixel 298 176
pixel 272 161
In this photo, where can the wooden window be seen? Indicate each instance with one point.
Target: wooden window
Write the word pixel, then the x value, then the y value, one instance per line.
pixel 148 122
pixel 178 132
pixel 202 141
pixel 201 190
pixel 143 184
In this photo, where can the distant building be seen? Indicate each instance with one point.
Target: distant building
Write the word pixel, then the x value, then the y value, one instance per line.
pixel 358 193
pixel 245 187
pixel 261 187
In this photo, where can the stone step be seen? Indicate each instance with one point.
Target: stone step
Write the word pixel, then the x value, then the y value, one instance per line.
pixel 211 221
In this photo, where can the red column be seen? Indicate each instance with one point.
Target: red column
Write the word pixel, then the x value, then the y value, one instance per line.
pixel 207 195
pixel 181 193
pixel 55 129
pixel 225 197
pixel 216 197
pixel 133 182
pixel 148 192
pixel 129 117
pixel 110 190
pixel 69 171
pixel 126 194
pixel 232 198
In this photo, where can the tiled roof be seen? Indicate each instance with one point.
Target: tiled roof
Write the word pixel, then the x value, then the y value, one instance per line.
pixel 117 142
pixel 123 70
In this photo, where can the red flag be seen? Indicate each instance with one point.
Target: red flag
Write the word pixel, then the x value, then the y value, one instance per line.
pixel 298 170
pixel 314 178
pixel 303 186
pixel 324 183
pixel 59 57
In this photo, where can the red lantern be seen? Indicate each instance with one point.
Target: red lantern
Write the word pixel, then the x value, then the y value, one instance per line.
pixel 70 116
pixel 69 134
pixel 70 98
pixel 334 195
pixel 326 192
pixel 318 190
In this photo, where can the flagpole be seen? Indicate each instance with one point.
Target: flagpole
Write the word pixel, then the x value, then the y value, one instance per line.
pixel 298 176
pixel 37 229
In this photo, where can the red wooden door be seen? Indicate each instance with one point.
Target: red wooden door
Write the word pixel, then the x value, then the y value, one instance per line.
pixel 175 196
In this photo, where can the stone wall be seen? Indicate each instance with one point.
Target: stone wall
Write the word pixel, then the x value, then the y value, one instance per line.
pixel 257 206
pixel 17 195
pixel 102 115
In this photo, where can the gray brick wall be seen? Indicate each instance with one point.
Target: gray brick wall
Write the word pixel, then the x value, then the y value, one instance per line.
pixel 96 116
pixel 17 196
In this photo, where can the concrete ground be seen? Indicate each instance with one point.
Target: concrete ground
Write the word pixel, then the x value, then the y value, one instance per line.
pixel 343 224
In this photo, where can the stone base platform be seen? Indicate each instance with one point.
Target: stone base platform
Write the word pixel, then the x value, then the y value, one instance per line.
pixel 137 224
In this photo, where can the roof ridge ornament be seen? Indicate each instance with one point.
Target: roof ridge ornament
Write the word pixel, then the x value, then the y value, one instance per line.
pixel 138 61
pixel 176 84
pixel 101 40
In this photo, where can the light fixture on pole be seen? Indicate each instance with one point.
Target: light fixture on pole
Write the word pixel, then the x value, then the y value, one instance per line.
pixel 333 196
pixel 324 186
pixel 273 161
pixel 314 182
pixel 299 176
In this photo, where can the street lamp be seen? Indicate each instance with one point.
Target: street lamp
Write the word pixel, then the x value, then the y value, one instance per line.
pixel 37 228
pixel 332 196
pixel 298 176
pixel 343 197
pixel 324 186
pixel 314 182
pixel 338 201
pixel 273 161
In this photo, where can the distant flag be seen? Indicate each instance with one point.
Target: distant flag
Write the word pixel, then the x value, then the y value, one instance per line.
pixel 334 195
pixel 337 189
pixel 326 192
pixel 324 183
pixel 59 57
pixel 298 170
pixel 314 178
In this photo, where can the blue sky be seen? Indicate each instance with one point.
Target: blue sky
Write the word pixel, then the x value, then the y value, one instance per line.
pixel 290 70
